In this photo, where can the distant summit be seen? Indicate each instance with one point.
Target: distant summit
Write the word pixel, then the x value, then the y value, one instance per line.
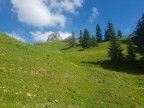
pixel 68 38
pixel 54 37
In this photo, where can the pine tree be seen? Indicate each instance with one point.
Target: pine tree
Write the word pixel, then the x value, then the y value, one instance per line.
pixel 106 36
pixel 139 38
pixel 81 38
pixel 115 50
pixel 93 41
pixel 110 32
pixel 98 34
pixel 131 51
pixel 119 34
pixel 73 41
pixel 86 39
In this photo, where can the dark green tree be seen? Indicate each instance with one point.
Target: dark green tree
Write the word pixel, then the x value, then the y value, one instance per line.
pixel 115 50
pixel 73 40
pixel 106 36
pixel 139 38
pixel 80 38
pixel 131 51
pixel 110 32
pixel 86 39
pixel 98 34
pixel 93 41
pixel 119 34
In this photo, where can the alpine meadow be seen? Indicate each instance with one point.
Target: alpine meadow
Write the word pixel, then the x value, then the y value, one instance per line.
pixel 71 54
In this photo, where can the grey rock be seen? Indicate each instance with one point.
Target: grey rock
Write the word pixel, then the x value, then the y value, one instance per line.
pixel 68 38
pixel 54 37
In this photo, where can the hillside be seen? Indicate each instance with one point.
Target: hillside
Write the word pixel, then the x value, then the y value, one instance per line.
pixel 52 75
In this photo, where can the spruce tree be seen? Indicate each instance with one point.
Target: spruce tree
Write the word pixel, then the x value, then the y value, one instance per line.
pixel 80 38
pixel 86 39
pixel 106 36
pixel 139 38
pixel 115 50
pixel 119 34
pixel 93 41
pixel 131 51
pixel 98 34
pixel 73 41
pixel 109 32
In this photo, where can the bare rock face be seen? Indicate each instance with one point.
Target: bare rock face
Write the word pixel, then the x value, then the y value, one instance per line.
pixel 54 37
pixel 68 38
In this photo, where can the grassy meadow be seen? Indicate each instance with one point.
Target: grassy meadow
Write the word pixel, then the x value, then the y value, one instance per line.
pixel 52 75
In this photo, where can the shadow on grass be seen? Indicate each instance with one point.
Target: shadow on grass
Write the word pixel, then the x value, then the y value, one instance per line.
pixel 66 48
pixel 126 67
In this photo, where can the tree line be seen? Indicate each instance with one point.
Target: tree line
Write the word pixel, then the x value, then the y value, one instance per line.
pixel 115 50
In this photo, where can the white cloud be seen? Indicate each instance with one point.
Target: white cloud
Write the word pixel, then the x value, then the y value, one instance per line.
pixel 43 13
pixel 43 36
pixel 66 5
pixel 94 14
pixel 70 6
pixel 16 36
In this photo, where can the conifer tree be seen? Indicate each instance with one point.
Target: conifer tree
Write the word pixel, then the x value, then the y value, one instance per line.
pixel 131 51
pixel 139 38
pixel 80 38
pixel 119 34
pixel 73 41
pixel 106 36
pixel 115 50
pixel 98 34
pixel 93 41
pixel 109 32
pixel 86 39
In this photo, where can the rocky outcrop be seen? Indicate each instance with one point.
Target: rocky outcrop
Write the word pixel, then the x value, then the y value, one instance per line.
pixel 54 37
pixel 68 38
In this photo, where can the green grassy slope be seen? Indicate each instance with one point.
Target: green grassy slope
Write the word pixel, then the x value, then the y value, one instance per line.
pixel 51 75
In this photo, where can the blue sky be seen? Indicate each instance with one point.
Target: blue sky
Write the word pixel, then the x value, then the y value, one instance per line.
pixel 32 20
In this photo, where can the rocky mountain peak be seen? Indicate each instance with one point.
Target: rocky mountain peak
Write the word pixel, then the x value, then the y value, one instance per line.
pixel 54 37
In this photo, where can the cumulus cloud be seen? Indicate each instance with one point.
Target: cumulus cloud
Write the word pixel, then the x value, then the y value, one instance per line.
pixel 16 36
pixel 43 36
pixel 70 6
pixel 94 14
pixel 43 13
